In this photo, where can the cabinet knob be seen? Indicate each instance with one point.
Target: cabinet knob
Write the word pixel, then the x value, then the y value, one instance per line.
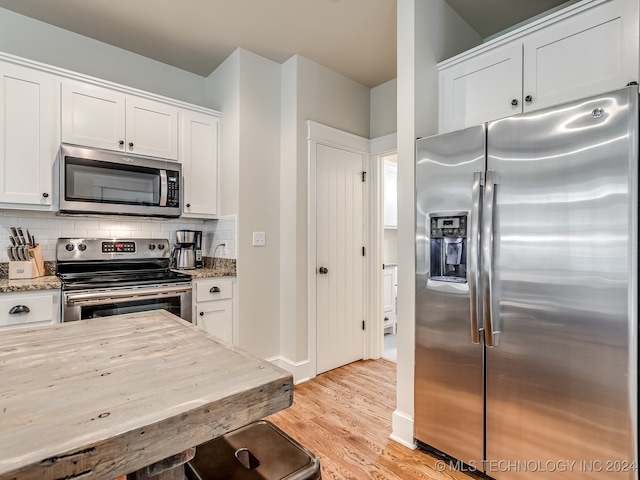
pixel 528 99
pixel 18 309
pixel 323 270
pixel 202 314
pixel 188 205
pixel 45 195
pixel 214 290
pixel 121 142
pixel 514 102
pixel 130 144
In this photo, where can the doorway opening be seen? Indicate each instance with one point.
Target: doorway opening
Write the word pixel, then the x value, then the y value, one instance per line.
pixel 389 163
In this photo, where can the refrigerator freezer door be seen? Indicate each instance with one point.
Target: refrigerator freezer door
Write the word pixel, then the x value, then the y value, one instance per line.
pixel 562 380
pixel 449 367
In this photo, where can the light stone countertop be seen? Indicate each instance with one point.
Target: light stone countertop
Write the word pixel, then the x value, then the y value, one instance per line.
pixel 223 268
pixel 214 267
pixel 50 282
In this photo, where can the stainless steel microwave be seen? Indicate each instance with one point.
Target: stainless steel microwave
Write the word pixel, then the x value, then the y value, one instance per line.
pixel 101 182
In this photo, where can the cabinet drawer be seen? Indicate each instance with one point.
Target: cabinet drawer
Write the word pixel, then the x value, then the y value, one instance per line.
pixel 27 309
pixel 215 289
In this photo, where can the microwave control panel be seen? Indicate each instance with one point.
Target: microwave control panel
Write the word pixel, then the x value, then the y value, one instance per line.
pixel 173 194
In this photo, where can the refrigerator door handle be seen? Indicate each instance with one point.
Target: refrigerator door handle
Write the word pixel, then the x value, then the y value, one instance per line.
pixel 473 259
pixel 487 257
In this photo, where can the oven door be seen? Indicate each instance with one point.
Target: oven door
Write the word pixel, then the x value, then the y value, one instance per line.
pixel 97 303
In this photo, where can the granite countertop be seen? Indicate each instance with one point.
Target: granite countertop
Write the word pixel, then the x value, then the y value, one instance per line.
pixel 218 267
pixel 214 267
pixel 49 282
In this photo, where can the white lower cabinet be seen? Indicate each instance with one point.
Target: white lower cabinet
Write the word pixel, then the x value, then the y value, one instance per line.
pixel 29 309
pixel 213 306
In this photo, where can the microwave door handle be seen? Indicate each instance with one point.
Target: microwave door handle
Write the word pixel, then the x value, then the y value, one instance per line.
pixel 164 186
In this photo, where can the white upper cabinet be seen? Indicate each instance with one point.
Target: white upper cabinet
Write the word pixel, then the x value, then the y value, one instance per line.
pixel 199 158
pixel 593 52
pixel 588 48
pixel 390 195
pixel 485 87
pixel 29 136
pixel 98 117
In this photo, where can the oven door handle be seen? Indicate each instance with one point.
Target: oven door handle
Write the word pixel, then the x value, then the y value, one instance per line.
pixel 105 296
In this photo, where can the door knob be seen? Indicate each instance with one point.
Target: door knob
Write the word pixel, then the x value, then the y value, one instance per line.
pixel 323 270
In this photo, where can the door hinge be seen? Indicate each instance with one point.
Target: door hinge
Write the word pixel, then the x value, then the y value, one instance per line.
pixel 363 324
pixel 363 251
pixel 364 175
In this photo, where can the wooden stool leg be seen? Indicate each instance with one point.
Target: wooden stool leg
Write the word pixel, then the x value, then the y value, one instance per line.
pixel 171 468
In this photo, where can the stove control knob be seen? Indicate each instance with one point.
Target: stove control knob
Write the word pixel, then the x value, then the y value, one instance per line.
pixel 160 246
pixel 69 247
pixel 82 247
pixel 152 246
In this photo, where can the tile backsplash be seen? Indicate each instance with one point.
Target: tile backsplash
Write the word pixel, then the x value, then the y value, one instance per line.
pixel 48 227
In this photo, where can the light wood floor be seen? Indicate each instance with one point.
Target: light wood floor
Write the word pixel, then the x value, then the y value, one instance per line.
pixel 344 417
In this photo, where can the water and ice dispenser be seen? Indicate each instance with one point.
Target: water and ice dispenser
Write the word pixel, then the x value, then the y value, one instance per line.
pixel 448 247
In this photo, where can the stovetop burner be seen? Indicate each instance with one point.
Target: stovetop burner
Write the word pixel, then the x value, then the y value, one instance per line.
pixel 106 263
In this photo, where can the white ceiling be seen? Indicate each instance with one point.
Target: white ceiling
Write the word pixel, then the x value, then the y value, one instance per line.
pixel 356 38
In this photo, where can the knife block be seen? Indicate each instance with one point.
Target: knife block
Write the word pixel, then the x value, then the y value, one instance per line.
pixel 28 269
pixel 23 269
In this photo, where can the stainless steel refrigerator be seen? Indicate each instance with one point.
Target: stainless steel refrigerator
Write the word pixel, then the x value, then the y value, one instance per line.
pixel 527 293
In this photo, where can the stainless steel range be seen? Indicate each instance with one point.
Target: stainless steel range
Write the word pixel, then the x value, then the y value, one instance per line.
pixel 103 277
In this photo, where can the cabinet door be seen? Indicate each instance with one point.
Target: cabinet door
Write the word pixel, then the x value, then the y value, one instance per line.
pixel 28 135
pixel 93 117
pixel 152 128
pixel 482 88
pixel 390 195
pixel 593 52
pixel 216 318
pixel 199 158
pixel 28 309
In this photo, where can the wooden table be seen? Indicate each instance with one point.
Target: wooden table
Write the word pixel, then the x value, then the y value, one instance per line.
pixel 102 398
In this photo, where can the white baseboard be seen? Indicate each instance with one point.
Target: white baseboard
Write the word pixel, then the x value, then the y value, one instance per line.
pixel 402 429
pixel 300 370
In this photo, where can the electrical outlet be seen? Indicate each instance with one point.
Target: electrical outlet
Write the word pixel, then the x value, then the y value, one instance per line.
pixel 224 247
pixel 259 239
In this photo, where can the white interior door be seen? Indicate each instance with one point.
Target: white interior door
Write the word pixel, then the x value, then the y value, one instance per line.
pixel 339 256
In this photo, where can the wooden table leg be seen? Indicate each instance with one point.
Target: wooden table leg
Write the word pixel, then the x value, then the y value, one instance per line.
pixel 171 468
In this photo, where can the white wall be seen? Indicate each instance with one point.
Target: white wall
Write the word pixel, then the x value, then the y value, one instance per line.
pixel 309 92
pixel 384 108
pixel 246 90
pixel 223 95
pixel 39 41
pixel 429 31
